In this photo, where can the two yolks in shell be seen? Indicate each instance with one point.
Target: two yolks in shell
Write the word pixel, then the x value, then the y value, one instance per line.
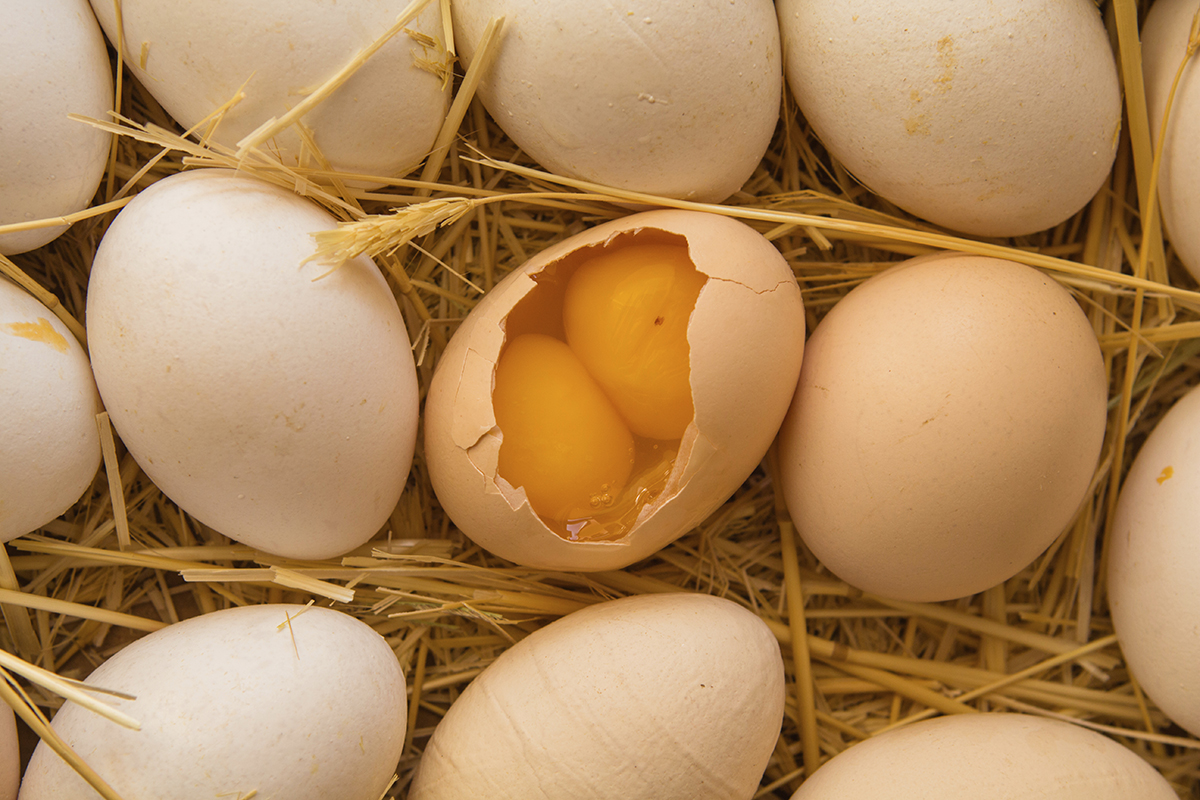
pixel 591 391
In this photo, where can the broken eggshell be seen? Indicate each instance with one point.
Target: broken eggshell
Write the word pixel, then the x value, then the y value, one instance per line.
pixel 746 339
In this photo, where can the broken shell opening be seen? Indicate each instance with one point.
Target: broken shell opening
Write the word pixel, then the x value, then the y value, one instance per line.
pixel 592 391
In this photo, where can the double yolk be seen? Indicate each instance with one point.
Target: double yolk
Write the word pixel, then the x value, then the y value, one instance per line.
pixel 592 410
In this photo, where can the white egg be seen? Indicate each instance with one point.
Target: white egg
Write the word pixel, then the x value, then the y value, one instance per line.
pixel 653 697
pixel 48 408
pixel 987 757
pixel 286 701
pixel 1154 564
pixel 996 117
pixel 675 99
pixel 271 399
pixel 195 57
pixel 1164 43
pixel 53 62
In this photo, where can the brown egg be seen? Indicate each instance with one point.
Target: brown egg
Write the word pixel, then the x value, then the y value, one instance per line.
pixel 726 304
pixel 945 428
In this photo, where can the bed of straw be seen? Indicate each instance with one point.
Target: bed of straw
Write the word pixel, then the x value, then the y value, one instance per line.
pixel 125 560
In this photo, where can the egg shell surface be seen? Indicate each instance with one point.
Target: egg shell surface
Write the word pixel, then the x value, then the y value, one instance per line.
pixel 674 99
pixel 48 408
pixel 746 339
pixel 291 702
pixel 1154 564
pixel 993 756
pixel 1164 43
pixel 272 399
pixel 53 62
pixel 653 697
pixel 945 428
pixel 195 57
pixel 995 118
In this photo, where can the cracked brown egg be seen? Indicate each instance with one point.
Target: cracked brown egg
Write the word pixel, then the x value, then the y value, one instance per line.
pixel 614 390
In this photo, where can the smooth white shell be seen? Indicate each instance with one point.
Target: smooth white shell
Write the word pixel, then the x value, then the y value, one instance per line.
pixel 995 118
pixel 746 337
pixel 274 402
pixel 304 704
pixel 1164 43
pixel 194 57
pixel 53 62
pixel 48 408
pixel 987 757
pixel 675 99
pixel 1154 564
pixel 654 697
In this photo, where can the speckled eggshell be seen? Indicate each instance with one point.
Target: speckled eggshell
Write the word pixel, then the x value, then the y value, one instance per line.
pixel 291 702
pixel 1154 564
pixel 1164 43
pixel 674 99
pixel 945 428
pixel 194 57
pixel 995 118
pixel 48 408
pixel 272 399
pixel 746 337
pixel 53 62
pixel 654 697
pixel 987 757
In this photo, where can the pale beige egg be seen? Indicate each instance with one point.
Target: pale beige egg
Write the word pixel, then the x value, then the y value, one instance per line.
pixel 987 757
pixel 996 117
pixel 195 57
pixel 654 697
pixel 1154 564
pixel 53 62
pixel 742 335
pixel 262 700
pixel 674 99
pixel 48 408
pixel 272 399
pixel 1164 44
pixel 945 428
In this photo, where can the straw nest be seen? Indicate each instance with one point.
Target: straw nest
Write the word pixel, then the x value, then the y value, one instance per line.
pixel 125 560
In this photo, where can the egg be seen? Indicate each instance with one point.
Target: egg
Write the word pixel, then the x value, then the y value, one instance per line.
pixel 697 310
pixel 270 700
pixel 53 62
pixel 995 118
pixel 987 757
pixel 653 96
pixel 48 408
pixel 195 57
pixel 945 428
pixel 272 399
pixel 1154 564
pixel 1164 43
pixel 654 697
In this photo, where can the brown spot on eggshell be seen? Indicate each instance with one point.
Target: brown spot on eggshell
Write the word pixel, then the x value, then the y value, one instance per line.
pixel 40 331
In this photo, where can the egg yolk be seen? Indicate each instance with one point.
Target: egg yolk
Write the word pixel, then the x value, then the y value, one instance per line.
pixel 591 425
pixel 563 440
pixel 626 314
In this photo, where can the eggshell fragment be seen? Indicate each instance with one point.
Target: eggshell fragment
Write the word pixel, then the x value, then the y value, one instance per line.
pixel 272 399
pixel 996 117
pixel 945 428
pixel 655 96
pixel 987 757
pixel 654 697
pixel 48 408
pixel 53 62
pixel 746 338
pixel 195 57
pixel 285 701
pixel 1164 44
pixel 1154 564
